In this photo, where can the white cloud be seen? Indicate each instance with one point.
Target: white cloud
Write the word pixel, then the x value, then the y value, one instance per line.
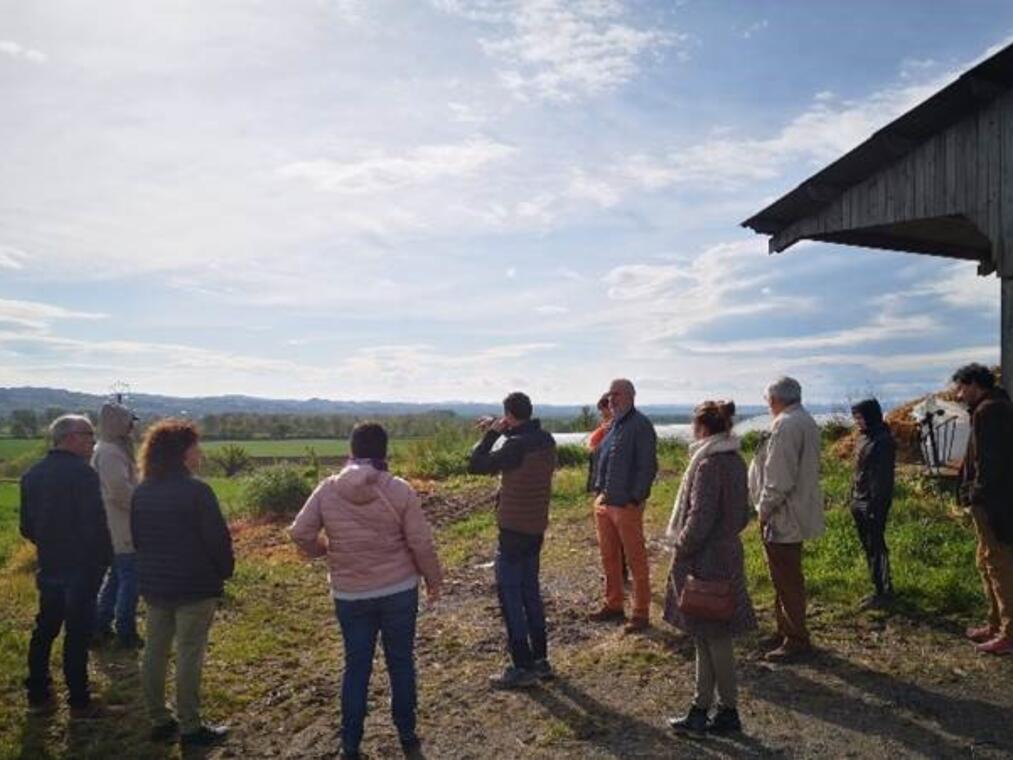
pixel 960 286
pixel 825 130
pixel 670 299
pixel 561 49
pixel 754 29
pixel 20 52
pixel 551 309
pixel 383 172
pixel 12 258
pixel 882 328
pixel 36 315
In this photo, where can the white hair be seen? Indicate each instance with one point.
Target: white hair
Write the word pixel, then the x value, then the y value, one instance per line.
pixel 786 390
pixel 68 424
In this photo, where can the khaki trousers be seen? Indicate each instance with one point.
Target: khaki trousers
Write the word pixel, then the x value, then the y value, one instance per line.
pixel 995 564
pixel 785 563
pixel 715 666
pixel 188 624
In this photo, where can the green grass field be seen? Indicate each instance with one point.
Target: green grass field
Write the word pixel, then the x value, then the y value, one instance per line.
pixel 296 447
pixel 932 555
pixel 11 448
pixel 8 518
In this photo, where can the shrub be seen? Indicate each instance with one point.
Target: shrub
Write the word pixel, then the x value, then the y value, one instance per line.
pixel 673 454
pixel 440 456
pixel 572 455
pixel 231 459
pixel 278 489
pixel 835 429
pixel 751 441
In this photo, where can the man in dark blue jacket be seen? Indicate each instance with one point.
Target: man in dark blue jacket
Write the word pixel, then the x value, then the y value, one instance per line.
pixel 62 514
pixel 627 464
pixel 872 494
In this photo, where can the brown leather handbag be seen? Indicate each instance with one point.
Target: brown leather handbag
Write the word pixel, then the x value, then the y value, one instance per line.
pixel 707 600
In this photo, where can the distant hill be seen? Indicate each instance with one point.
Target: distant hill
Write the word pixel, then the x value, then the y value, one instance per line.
pixel 150 405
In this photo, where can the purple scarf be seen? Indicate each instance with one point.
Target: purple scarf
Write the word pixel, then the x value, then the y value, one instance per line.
pixel 378 464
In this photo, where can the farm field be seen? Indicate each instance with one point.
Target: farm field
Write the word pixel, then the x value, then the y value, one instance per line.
pixel 275 660
pixel 11 448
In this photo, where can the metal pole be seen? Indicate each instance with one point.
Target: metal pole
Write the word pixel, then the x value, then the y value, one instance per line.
pixel 1006 334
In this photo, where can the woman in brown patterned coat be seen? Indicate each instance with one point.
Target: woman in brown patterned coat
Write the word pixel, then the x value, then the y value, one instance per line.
pixel 710 512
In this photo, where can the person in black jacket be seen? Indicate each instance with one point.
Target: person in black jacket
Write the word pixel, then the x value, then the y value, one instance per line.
pixel 62 514
pixel 184 556
pixel 872 494
pixel 627 464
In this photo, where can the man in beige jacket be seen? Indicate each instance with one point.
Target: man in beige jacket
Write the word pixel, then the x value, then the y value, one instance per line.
pixel 785 489
pixel 114 461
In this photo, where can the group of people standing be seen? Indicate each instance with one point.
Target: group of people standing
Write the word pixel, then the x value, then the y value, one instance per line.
pixel 105 536
pixel 165 538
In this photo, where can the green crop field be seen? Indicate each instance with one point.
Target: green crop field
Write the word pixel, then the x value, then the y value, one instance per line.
pixel 9 502
pixel 295 447
pixel 11 448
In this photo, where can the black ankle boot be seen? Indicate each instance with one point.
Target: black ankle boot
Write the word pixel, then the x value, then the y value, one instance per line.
pixel 694 722
pixel 725 721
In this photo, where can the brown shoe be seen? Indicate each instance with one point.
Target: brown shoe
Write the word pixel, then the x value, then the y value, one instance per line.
pixel 636 625
pixel 788 652
pixel 606 615
pixel 981 634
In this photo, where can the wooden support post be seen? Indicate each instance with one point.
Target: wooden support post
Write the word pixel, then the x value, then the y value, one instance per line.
pixel 1006 334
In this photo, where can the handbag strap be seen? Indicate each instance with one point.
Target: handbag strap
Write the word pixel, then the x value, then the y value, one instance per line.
pixel 390 507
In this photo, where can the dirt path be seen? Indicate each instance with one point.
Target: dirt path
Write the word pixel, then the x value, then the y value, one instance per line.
pixel 880 687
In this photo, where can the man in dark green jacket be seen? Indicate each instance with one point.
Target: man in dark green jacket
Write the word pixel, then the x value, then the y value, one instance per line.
pixel 987 490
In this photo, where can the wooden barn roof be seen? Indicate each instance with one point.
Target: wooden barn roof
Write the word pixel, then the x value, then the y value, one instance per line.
pixel 969 93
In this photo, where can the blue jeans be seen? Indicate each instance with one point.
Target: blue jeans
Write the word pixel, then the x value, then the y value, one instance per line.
pixel 66 601
pixel 520 598
pixel 118 598
pixel 393 617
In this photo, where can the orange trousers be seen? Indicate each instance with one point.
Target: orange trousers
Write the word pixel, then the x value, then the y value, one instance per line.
pixel 621 531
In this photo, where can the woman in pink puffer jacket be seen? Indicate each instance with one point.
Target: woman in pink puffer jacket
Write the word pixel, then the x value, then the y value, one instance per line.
pixel 370 526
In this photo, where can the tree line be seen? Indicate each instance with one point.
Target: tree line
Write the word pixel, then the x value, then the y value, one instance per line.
pixel 244 426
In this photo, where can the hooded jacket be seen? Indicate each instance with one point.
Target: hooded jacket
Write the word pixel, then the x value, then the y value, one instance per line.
pixel 113 459
pixel 875 457
pixel 785 479
pixel 987 472
pixel 377 537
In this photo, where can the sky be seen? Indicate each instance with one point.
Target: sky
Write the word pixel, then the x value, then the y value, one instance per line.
pixel 433 200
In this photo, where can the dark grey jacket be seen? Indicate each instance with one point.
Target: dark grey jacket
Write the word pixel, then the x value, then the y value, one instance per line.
pixel 184 550
pixel 628 461
pixel 872 488
pixel 62 514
